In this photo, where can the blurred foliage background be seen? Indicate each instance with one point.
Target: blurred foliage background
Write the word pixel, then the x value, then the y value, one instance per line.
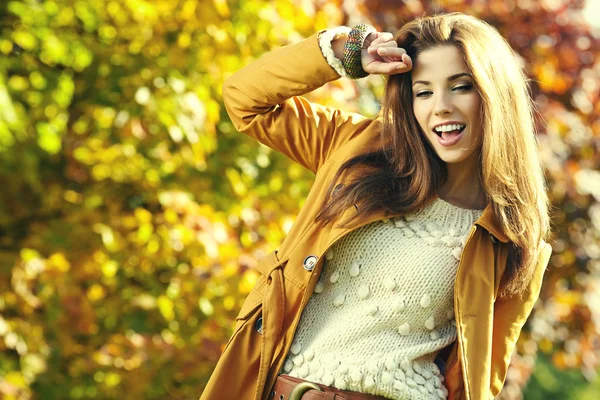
pixel 132 212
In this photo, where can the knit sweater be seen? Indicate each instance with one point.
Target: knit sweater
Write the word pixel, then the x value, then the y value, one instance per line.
pixel 383 306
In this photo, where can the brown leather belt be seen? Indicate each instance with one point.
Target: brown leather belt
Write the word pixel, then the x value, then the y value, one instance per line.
pixel 289 388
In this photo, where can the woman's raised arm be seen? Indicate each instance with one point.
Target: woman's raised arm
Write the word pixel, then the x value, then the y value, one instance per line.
pixel 263 100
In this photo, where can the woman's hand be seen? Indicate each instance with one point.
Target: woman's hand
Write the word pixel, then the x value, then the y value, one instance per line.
pixel 381 55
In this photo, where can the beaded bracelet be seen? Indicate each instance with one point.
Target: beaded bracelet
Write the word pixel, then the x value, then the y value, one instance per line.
pixel 352 50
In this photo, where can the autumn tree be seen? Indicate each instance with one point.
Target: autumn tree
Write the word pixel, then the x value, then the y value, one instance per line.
pixel 132 212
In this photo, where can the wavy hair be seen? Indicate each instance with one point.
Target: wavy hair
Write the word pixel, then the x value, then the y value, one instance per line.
pixel 405 173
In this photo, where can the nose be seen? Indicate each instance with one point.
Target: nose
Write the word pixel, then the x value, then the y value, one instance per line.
pixel 443 104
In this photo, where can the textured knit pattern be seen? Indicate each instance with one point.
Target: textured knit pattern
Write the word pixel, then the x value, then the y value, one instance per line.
pixel 383 306
pixel 353 49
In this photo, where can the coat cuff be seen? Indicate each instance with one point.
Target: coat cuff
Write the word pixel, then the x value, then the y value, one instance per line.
pixel 325 39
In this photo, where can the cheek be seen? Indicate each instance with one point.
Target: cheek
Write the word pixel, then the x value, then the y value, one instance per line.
pixel 475 109
pixel 420 117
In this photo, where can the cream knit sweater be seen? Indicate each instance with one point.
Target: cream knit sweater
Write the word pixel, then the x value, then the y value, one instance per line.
pixel 383 306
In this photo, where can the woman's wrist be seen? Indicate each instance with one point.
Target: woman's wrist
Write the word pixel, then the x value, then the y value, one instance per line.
pixel 337 46
pixel 352 60
pixel 329 42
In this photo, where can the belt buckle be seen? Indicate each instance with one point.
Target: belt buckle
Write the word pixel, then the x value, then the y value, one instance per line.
pixel 301 388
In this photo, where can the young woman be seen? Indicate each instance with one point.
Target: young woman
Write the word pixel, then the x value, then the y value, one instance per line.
pixel 420 252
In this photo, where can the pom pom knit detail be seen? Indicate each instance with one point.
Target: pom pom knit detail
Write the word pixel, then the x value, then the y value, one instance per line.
pixel 389 283
pixel 372 310
pixel 383 306
pixel 404 329
pixel 425 301
pixel 354 270
pixel 430 323
pixel 334 277
pixel 295 349
pixel 339 300
pixel 319 287
pixel 363 292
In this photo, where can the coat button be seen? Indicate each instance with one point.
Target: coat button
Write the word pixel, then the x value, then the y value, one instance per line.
pixel 259 325
pixel 310 262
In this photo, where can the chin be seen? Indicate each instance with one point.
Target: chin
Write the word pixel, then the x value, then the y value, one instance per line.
pixel 453 159
pixel 456 156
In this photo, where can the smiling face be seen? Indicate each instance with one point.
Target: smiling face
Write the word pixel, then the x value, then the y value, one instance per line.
pixel 447 105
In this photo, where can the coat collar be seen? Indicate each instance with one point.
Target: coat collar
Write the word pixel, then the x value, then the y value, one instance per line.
pixel 490 223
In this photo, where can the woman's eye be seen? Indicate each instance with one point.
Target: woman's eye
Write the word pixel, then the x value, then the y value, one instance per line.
pixel 423 93
pixel 463 88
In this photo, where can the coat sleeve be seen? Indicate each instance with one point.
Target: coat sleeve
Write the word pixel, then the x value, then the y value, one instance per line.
pixel 263 101
pixel 510 314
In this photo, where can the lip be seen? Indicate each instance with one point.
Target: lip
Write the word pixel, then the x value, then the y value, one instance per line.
pixel 447 123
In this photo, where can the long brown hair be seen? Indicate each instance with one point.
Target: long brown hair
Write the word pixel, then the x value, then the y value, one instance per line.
pixel 405 173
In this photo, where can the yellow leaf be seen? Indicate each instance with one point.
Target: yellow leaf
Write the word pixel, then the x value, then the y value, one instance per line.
pixel 96 292
pixel 143 215
pixel 236 182
pixel 153 246
pixel 184 40
pixel 165 306
pixel 112 379
pixel 248 281
pixel 222 8
pixel 73 197
pixel 59 261
pixel 109 268
pixel 144 232
pixel 18 83
pixel 206 306
pixel 108 237
pixel 229 303
pixel 6 46
pixel 171 216
pixel 25 39
pixel 15 378
pixel 144 301
pixel 29 254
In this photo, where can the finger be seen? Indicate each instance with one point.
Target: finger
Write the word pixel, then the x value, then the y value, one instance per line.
pixel 382 37
pixel 391 52
pixel 391 44
pixel 396 58
pixel 407 60
pixel 390 68
pixel 372 49
pixel 394 68
pixel 373 37
pixel 375 49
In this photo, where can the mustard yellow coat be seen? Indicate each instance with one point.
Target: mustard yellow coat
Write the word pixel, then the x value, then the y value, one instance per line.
pixel 262 101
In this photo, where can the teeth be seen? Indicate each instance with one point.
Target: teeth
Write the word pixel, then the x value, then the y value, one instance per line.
pixel 448 128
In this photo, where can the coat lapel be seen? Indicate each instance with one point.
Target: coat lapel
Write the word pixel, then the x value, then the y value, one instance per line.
pixel 474 304
pixel 488 221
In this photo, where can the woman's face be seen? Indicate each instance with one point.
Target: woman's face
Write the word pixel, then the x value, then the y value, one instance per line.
pixel 446 103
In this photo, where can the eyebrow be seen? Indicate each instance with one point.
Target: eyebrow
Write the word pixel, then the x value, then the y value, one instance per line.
pixel 450 78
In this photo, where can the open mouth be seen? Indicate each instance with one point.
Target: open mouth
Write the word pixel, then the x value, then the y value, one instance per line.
pixel 449 131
